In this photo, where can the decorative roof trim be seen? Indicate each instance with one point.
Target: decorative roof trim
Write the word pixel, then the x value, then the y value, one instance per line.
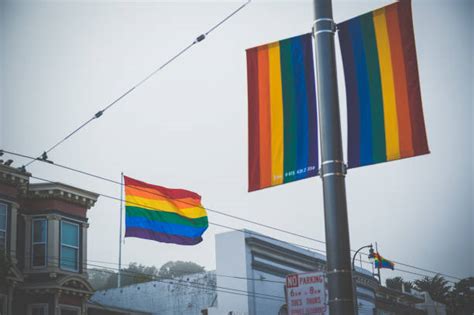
pixel 62 191
pixel 14 177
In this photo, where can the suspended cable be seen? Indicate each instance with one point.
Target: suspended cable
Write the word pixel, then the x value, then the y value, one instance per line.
pixel 211 210
pixel 173 58
pixel 195 284
pixel 158 194
pixel 211 223
pixel 251 233
pixel 92 262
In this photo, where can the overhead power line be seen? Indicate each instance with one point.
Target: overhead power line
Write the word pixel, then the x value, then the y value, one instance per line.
pixel 253 233
pixel 92 262
pixel 99 264
pixel 210 222
pixel 181 282
pixel 190 283
pixel 110 105
pixel 215 211
pixel 158 194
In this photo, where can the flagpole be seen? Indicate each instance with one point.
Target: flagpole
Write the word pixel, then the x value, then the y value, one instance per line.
pixel 333 169
pixel 119 276
pixel 378 267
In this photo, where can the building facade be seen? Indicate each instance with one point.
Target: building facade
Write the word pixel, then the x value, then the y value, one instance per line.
pixel 43 236
pixel 393 302
pixel 43 248
pixel 187 295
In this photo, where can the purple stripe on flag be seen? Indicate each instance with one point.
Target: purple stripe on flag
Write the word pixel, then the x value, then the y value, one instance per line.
pixel 161 237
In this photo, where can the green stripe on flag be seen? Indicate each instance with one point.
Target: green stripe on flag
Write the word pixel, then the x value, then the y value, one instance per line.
pixel 163 216
pixel 376 100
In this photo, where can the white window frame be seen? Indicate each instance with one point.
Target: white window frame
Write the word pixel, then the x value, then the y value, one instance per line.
pixel 33 243
pixel 69 308
pixel 6 224
pixel 44 306
pixel 78 247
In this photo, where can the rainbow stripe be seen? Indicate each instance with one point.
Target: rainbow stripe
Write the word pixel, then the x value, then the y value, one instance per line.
pixel 384 109
pixel 282 112
pixel 163 214
pixel 381 262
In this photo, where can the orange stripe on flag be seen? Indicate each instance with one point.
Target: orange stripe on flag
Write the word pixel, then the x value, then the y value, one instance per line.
pixel 264 117
pixel 155 195
pixel 399 73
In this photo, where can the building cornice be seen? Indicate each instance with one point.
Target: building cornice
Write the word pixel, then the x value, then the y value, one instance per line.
pixel 71 285
pixel 283 254
pixel 384 293
pixel 48 191
pixel 14 177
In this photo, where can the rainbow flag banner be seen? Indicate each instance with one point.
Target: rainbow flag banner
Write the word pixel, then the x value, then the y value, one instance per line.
pixel 385 115
pixel 381 262
pixel 162 214
pixel 283 145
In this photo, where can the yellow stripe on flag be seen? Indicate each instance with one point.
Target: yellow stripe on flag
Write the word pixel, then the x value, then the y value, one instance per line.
pixel 276 113
pixel 388 88
pixel 163 205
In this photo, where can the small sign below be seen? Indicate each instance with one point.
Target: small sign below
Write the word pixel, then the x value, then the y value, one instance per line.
pixel 306 293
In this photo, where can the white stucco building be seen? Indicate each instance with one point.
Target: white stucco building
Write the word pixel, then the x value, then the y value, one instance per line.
pixel 265 262
pixel 187 295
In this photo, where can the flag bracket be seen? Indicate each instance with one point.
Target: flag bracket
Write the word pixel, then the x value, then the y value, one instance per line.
pixel 324 25
pixel 338 271
pixel 333 168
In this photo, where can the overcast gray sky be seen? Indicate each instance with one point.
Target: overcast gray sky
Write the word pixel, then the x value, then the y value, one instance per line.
pixel 187 126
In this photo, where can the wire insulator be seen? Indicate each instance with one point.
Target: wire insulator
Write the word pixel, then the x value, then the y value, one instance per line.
pixel 99 113
pixel 200 38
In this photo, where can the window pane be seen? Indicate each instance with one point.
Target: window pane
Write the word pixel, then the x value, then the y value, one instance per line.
pixel 3 216
pixel 69 234
pixel 39 231
pixel 69 258
pixel 38 310
pixel 3 241
pixel 69 312
pixel 39 255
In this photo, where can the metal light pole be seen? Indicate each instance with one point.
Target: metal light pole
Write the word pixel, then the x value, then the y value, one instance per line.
pixel 371 253
pixel 339 271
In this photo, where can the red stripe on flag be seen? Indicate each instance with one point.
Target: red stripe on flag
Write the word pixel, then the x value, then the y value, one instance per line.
pixel 400 82
pixel 253 108
pixel 166 192
pixel 420 143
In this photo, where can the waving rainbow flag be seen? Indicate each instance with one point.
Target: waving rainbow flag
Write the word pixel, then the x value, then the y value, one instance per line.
pixel 162 214
pixel 381 262
pixel 384 109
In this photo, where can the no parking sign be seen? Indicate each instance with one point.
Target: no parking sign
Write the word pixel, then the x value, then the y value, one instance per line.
pixel 306 293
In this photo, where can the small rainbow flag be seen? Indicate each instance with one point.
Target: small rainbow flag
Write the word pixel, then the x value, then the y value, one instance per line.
pixel 384 109
pixel 283 145
pixel 381 262
pixel 162 214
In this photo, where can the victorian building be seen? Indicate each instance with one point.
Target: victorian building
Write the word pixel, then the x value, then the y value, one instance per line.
pixel 43 234
pixel 43 248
